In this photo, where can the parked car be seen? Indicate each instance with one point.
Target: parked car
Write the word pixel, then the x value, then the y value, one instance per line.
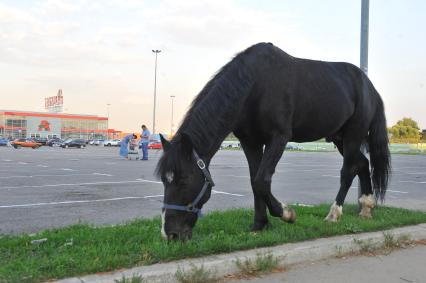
pixel 115 142
pixel 54 142
pixel 155 145
pixel 293 147
pixel 230 144
pixel 4 142
pixel 98 142
pixel 41 141
pixel 18 143
pixel 80 143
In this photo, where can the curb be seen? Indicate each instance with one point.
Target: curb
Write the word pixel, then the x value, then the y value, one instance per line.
pixel 287 254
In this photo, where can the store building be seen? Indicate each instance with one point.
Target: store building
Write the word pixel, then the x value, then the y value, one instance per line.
pixel 24 124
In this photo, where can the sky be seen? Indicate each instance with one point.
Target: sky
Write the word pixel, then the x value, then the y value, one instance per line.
pixel 100 52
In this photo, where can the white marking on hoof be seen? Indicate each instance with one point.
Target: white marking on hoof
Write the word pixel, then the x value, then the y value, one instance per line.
pixel 289 214
pixel 368 202
pixel 336 211
pixel 163 221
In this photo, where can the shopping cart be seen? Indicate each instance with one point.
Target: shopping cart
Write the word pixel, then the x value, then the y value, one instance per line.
pixel 133 150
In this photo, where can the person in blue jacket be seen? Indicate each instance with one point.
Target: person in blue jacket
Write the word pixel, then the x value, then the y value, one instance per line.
pixel 124 146
pixel 144 142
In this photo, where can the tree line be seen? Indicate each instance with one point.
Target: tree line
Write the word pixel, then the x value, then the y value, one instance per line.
pixel 406 131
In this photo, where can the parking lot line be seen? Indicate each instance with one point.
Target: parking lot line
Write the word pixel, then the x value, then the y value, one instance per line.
pixel 415 182
pixel 149 181
pixel 55 175
pixel 225 193
pixel 75 184
pixel 400 192
pixel 75 201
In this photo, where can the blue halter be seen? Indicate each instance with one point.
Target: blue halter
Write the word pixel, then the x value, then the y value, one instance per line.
pixel 191 207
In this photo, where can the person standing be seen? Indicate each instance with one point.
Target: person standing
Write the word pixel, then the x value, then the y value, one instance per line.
pixel 124 145
pixel 144 142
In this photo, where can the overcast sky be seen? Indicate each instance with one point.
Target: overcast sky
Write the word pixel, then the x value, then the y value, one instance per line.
pixel 99 52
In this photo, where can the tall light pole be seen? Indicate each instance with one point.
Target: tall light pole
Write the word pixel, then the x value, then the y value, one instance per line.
pixel 155 89
pixel 108 105
pixel 363 63
pixel 365 7
pixel 171 125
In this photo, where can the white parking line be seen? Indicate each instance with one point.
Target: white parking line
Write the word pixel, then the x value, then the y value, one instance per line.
pixel 6 160
pixel 149 181
pixel 44 166
pixel 67 169
pixel 416 182
pixel 332 176
pixel 225 193
pixel 399 192
pixel 55 175
pixel 75 201
pixel 102 174
pixel 75 184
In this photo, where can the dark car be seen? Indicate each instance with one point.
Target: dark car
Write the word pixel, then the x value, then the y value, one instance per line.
pixel 4 142
pixel 54 142
pixel 79 143
pixel 41 141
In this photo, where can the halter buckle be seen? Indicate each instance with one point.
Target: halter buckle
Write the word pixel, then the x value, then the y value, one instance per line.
pixel 201 164
pixel 190 207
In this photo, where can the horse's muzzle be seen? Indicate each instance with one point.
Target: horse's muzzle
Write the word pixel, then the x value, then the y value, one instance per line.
pixel 182 236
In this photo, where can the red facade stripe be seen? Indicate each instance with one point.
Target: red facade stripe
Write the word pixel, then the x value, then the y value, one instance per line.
pixel 55 116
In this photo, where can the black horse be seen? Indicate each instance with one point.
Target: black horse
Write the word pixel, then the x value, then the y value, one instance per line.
pixel 267 98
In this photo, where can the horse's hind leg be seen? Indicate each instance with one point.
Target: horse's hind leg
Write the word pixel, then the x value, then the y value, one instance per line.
pixel 367 199
pixel 262 182
pixel 353 164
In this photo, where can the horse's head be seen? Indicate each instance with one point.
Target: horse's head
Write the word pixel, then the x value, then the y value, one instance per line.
pixel 187 186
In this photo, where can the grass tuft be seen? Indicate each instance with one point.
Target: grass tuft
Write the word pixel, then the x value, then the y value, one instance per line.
pixel 195 275
pixel 83 249
pixel 261 264
pixel 135 279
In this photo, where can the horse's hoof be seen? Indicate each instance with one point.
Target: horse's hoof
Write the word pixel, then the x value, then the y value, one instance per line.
pixel 335 213
pixel 257 226
pixel 289 214
pixel 365 213
pixel 368 202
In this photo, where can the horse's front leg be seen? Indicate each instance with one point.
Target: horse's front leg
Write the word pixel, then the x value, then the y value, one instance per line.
pixel 262 182
pixel 254 153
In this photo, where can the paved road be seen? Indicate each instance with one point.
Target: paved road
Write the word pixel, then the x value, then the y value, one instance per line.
pixel 53 187
pixel 401 266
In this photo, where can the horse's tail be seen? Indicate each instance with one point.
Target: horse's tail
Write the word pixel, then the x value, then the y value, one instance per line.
pixel 379 152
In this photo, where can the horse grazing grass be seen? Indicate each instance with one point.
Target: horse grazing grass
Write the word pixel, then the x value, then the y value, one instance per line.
pixel 268 98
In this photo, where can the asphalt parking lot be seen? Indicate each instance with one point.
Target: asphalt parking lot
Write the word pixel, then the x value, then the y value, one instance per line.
pixel 54 187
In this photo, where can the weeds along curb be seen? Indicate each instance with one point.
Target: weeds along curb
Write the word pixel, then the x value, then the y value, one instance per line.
pixel 287 254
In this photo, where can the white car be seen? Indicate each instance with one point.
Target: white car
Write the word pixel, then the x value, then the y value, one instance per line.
pixel 230 144
pixel 115 142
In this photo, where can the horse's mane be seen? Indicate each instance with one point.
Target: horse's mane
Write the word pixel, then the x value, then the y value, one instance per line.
pixel 213 111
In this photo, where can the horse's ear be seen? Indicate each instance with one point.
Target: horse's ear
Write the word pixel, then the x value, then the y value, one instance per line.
pixel 186 143
pixel 165 143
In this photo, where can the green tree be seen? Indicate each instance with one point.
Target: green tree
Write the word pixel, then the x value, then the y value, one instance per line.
pixel 405 130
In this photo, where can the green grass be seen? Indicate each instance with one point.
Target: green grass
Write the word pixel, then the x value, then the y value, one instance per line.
pixel 82 249
pixel 261 264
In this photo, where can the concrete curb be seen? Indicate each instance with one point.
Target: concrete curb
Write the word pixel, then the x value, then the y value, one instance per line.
pixel 287 254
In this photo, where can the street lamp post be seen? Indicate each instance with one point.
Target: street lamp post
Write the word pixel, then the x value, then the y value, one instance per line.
pixel 171 125
pixel 363 58
pixel 108 105
pixel 155 89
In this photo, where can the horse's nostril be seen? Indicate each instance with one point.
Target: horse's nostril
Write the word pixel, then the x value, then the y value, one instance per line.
pixel 172 236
